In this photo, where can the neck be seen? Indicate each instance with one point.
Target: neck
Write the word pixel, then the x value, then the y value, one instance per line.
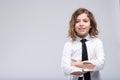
pixel 82 36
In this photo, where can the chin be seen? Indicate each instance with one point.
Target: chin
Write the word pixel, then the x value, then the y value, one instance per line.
pixel 82 35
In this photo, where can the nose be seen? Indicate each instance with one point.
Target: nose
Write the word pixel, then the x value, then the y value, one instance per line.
pixel 81 23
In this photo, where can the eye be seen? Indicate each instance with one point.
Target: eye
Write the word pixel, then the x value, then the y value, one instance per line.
pixel 77 21
pixel 85 20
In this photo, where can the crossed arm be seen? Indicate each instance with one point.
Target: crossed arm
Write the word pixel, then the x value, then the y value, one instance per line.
pixel 83 65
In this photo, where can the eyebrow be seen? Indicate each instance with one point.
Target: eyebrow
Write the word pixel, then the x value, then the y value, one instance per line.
pixel 83 19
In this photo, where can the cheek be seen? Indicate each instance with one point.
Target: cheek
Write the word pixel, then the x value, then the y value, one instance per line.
pixel 76 27
pixel 76 30
pixel 88 23
pixel 88 29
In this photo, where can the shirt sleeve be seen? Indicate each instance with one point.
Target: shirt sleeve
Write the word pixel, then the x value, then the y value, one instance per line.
pixel 66 60
pixel 100 61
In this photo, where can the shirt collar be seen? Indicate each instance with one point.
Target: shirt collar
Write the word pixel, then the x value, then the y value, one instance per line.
pixel 87 38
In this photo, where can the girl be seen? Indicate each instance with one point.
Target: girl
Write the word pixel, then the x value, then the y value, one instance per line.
pixel 83 26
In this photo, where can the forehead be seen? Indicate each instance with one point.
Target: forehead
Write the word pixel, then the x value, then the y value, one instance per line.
pixel 82 16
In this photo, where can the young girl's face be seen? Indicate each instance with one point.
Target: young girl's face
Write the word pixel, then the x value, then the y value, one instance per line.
pixel 82 25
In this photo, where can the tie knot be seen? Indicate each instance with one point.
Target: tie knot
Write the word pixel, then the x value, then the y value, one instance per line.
pixel 83 40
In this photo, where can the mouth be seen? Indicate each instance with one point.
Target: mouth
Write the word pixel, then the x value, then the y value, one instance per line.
pixel 81 29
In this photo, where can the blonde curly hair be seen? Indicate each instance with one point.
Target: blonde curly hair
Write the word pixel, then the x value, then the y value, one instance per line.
pixel 93 32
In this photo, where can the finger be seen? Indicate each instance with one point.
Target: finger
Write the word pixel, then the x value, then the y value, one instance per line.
pixel 86 63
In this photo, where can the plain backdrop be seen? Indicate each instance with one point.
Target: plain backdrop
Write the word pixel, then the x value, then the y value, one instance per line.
pixel 33 33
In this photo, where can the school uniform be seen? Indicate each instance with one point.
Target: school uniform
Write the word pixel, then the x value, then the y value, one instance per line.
pixel 73 51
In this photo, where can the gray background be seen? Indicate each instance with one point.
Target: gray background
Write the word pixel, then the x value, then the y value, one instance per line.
pixel 33 33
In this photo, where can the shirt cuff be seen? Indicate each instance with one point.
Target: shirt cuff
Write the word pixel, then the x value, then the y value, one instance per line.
pixel 76 69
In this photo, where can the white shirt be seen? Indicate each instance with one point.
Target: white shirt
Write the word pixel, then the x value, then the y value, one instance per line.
pixel 73 50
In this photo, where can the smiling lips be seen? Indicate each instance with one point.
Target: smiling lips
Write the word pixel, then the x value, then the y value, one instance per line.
pixel 81 29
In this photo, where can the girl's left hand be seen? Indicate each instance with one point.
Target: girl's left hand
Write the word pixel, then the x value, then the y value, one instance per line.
pixel 87 65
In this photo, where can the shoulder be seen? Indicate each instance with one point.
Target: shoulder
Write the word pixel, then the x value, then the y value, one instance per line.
pixel 96 40
pixel 69 43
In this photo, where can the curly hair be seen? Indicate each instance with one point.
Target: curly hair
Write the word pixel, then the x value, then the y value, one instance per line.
pixel 93 32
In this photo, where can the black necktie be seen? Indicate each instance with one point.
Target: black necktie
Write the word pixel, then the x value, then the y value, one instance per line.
pixel 84 58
